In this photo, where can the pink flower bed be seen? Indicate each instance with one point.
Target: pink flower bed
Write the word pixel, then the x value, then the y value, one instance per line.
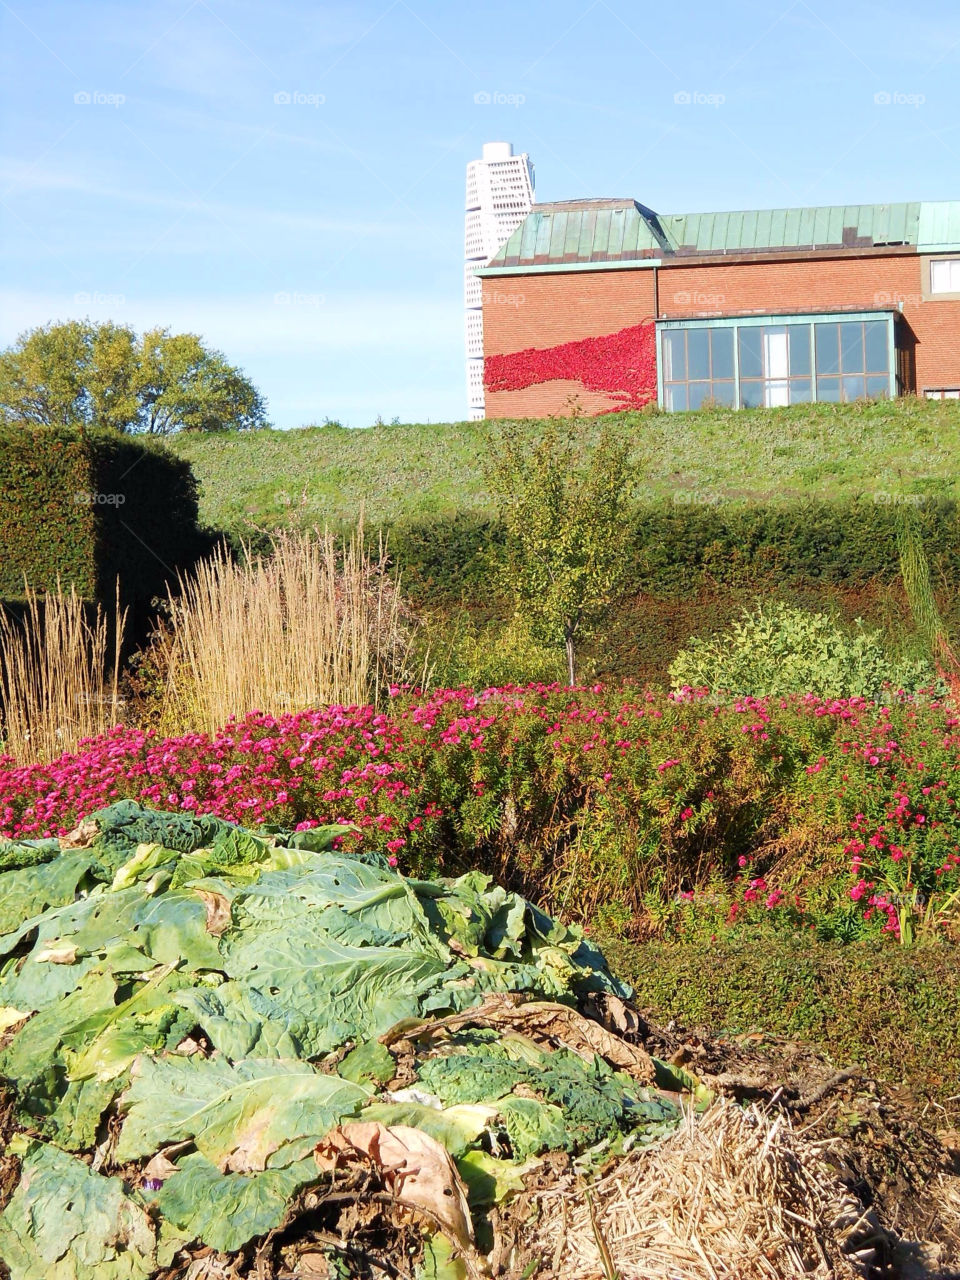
pixel 800 810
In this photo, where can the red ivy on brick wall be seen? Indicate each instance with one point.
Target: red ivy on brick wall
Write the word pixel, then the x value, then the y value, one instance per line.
pixel 623 364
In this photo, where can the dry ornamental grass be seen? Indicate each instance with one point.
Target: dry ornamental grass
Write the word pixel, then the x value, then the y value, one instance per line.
pixel 313 624
pixel 59 674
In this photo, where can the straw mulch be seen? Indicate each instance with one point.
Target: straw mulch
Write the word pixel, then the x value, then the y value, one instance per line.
pixel 734 1195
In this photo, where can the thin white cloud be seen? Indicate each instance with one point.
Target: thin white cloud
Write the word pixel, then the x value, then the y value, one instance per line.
pixel 20 178
pixel 295 323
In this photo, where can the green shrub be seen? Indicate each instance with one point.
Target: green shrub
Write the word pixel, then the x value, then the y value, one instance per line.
pixel 778 649
pixel 87 507
pixel 894 1012
pixel 466 651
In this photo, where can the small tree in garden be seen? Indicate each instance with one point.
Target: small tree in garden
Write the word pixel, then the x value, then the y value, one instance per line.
pixel 566 530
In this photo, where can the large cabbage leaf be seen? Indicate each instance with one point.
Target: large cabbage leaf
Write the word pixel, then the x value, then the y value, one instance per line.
pixel 228 998
pixel 66 1222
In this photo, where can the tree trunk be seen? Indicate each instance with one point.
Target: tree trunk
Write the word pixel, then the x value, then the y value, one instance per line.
pixel 571 661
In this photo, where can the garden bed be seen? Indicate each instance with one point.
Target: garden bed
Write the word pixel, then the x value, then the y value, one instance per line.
pixel 654 813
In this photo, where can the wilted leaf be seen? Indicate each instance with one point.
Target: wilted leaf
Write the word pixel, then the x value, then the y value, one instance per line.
pixel 533 1126
pixel 456 1128
pixel 66 954
pixel 66 1223
pixel 240 1116
pixel 415 1167
pixel 9 1017
pixel 28 892
pixel 218 911
pixel 370 1062
pixel 142 865
pixel 489 1180
pixel 441 1260
pixel 225 1210
pixel 159 1169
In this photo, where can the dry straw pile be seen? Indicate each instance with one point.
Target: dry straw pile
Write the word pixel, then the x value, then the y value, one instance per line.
pixel 734 1195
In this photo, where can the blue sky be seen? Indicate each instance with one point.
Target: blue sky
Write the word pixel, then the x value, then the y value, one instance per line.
pixel 181 193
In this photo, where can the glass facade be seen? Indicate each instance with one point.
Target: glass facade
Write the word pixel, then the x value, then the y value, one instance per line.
pixel 698 367
pixel 764 362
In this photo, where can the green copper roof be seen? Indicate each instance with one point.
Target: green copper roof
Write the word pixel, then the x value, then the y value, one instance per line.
pixel 760 230
pixel 578 233
pixel 939 225
pixel 575 231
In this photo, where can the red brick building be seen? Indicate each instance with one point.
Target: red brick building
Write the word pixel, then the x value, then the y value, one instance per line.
pixel 603 305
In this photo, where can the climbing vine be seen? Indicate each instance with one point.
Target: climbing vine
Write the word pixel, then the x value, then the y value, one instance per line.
pixel 622 364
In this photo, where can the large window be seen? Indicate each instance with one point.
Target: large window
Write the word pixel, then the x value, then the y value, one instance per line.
pixel 775 365
pixel 853 361
pixel 764 362
pixel 698 367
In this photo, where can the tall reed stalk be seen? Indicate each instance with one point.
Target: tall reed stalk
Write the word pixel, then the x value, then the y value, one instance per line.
pixel 314 622
pixel 59 674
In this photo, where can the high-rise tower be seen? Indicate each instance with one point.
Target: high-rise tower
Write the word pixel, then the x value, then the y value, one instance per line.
pixel 499 197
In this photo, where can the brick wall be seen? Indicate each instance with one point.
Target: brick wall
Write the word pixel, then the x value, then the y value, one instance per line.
pixel 545 310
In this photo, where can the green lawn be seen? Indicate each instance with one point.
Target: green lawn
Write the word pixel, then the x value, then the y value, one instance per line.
pixel 325 474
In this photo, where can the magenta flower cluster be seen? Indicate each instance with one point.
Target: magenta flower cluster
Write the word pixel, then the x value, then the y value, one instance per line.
pixel 633 788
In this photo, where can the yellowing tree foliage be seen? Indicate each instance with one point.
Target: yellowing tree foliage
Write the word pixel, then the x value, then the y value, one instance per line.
pixel 566 530
pixel 81 374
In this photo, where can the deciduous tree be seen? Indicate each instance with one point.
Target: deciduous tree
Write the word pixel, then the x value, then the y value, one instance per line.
pixel 565 518
pixel 81 374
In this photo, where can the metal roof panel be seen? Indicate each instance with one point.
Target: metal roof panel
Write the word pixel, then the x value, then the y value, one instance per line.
pixel 558 234
pixel 938 225
pixel 598 230
pixel 544 232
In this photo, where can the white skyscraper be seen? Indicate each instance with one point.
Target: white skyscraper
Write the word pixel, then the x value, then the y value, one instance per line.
pixel 499 197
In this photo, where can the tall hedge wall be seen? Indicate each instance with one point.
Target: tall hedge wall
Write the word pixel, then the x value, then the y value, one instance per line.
pixel 89 507
pixel 679 551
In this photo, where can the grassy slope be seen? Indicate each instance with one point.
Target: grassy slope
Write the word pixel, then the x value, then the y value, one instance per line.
pixel 325 474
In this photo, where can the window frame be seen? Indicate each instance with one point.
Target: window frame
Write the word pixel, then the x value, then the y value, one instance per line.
pixel 889 317
pixel 927 280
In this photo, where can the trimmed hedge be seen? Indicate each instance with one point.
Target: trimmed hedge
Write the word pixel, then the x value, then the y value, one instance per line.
pixel 893 1011
pixel 683 550
pixel 89 507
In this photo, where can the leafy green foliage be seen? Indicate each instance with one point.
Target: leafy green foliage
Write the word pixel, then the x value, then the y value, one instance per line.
pixel 462 651
pixel 778 649
pixel 566 532
pixel 915 572
pixel 582 1103
pixel 84 375
pixel 66 1222
pixel 272 949
pixel 89 507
